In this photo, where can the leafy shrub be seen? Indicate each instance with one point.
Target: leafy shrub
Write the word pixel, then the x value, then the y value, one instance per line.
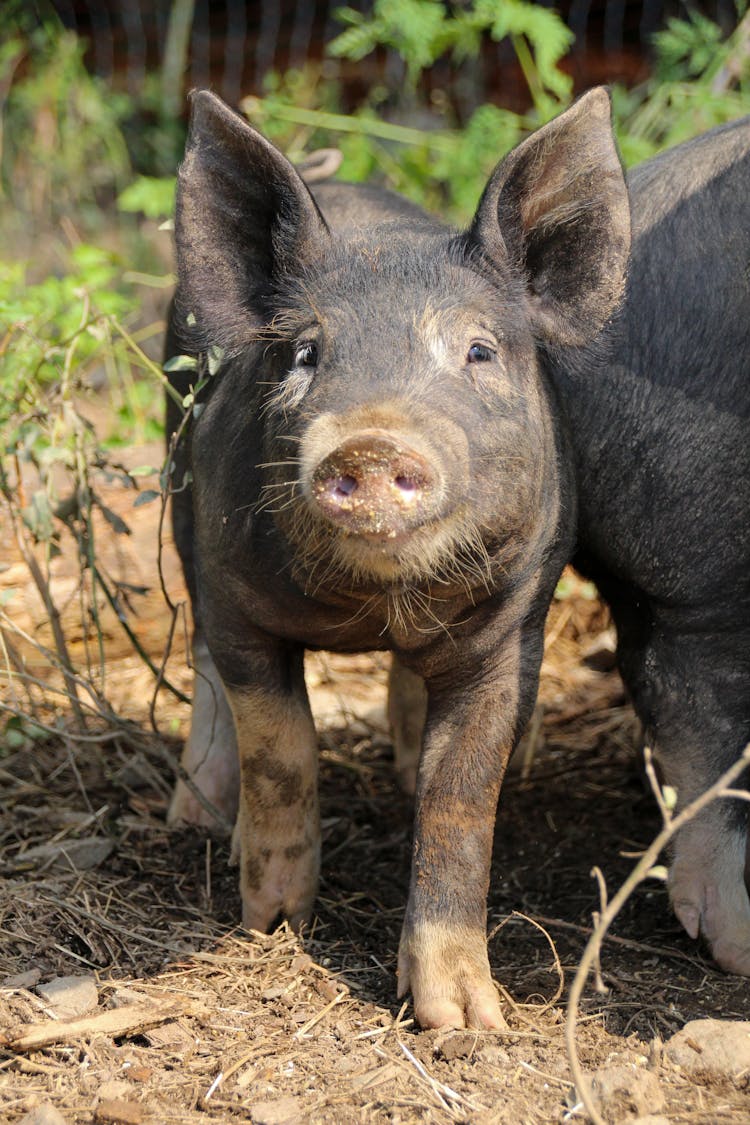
pixel 700 79
pixel 61 339
pixel 62 143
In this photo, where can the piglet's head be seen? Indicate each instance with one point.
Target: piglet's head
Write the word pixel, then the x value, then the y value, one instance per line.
pixel 404 430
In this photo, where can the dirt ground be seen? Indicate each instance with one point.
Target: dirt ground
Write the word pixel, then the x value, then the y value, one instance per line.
pixel 196 1020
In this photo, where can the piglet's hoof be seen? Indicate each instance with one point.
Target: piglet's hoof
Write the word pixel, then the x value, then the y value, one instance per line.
pixel 717 912
pixel 448 974
pixel 185 809
pixel 278 887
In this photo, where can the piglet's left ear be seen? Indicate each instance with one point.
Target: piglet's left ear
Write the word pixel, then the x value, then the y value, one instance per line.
pixel 557 206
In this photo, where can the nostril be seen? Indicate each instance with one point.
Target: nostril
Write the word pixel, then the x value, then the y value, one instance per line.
pixel 344 486
pixel 407 485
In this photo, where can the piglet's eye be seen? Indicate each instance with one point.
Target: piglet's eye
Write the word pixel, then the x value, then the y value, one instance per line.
pixel 480 353
pixel 306 355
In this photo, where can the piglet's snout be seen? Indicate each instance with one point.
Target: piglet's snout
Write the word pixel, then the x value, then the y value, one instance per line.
pixel 375 485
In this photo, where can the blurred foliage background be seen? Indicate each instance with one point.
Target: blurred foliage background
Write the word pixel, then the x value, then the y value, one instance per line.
pixel 424 96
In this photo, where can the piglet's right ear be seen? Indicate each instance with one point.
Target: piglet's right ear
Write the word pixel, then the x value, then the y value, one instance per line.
pixel 243 218
pixel 557 207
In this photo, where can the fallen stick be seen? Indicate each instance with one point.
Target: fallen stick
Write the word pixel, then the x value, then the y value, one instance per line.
pixel 129 1020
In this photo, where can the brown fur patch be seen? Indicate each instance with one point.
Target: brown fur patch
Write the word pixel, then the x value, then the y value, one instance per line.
pixel 286 780
pixel 252 872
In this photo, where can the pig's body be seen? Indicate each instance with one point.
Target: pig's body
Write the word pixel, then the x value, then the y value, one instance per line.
pixel 384 462
pixel 661 438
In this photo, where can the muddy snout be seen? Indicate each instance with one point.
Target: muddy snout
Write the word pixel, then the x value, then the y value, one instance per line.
pixel 376 485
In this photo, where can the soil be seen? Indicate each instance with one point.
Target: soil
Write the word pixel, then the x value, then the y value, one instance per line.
pixel 282 1028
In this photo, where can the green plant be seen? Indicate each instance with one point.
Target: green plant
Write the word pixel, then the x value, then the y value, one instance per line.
pixel 60 339
pixel 422 31
pixel 700 79
pixel 152 196
pixel 444 167
pixel 62 143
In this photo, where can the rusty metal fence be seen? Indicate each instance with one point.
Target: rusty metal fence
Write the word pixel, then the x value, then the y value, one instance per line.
pixel 232 44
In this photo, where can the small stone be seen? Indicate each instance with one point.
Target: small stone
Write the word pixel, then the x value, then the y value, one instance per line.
pixel 140 1073
pixel 624 1093
pixel 115 1111
pixel 719 1048
pixel 44 1114
pixel 301 963
pixel 29 979
pixel 69 997
pixel 272 993
pixel 277 1112
pixel 76 855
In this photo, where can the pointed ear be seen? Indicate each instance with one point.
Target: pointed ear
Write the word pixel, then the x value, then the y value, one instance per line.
pixel 557 206
pixel 243 218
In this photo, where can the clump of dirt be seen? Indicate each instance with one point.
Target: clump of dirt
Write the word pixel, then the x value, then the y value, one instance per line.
pixel 196 1020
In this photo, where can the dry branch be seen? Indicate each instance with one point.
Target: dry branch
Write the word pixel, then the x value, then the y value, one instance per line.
pixel 720 789
pixel 129 1020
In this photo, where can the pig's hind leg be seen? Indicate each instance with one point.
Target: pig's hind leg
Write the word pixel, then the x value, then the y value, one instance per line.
pixel 690 690
pixel 210 754
pixel 277 836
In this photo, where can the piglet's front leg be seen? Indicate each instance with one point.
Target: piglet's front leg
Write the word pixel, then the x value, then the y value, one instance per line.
pixel 277 836
pixel 443 952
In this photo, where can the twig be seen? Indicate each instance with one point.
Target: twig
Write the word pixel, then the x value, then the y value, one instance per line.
pixel 672 825
pixel 560 974
pixel 302 1033
pixel 120 1021
pixel 66 665
pixel 731 71
pixel 161 680
pixel 629 943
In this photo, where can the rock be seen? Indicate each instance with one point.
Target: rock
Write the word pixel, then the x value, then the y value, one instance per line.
pixel 22 980
pixel 114 1111
pixel 301 963
pixel 78 855
pixel 44 1114
pixel 69 997
pixel 141 1073
pixel 278 1112
pixel 719 1048
pixel 624 1093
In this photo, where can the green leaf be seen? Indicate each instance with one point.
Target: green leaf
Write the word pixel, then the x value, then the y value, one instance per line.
pixel 180 363
pixel 215 356
pixel 146 497
pixel 151 195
